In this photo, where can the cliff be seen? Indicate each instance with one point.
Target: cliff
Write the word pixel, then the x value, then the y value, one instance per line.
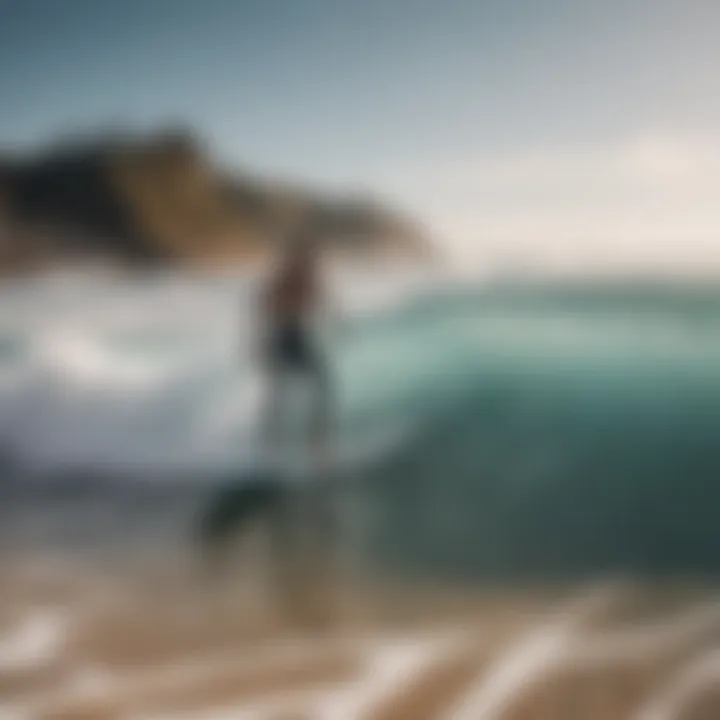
pixel 145 201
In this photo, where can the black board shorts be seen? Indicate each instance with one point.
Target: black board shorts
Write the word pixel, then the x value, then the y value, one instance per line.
pixel 291 348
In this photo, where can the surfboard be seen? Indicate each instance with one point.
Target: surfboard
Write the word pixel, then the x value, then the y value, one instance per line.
pixel 237 504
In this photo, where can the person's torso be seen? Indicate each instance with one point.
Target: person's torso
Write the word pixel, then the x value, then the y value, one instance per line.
pixel 292 297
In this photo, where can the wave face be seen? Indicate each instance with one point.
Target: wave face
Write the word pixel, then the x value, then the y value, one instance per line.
pixel 493 430
pixel 150 375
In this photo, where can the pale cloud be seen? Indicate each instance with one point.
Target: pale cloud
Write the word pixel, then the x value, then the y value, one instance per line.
pixel 649 199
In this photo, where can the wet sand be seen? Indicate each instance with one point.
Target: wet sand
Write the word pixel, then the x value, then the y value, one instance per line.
pixel 80 642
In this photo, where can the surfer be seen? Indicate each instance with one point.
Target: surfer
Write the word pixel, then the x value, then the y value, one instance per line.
pixel 301 516
pixel 304 533
pixel 290 305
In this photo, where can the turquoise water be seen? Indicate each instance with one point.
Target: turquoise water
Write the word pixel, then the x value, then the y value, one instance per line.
pixel 528 431
pixel 563 433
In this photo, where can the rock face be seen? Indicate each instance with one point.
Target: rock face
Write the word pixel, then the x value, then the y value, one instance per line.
pixel 158 200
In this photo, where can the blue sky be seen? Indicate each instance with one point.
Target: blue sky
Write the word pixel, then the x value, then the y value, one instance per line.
pixel 561 131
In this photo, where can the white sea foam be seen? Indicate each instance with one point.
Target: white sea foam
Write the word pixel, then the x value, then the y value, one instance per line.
pixel 36 641
pixel 150 374
pixel 156 374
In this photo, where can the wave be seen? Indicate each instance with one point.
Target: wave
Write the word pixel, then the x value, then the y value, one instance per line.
pixel 490 432
pixel 139 376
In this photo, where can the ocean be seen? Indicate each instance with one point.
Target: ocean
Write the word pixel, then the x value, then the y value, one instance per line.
pixel 486 431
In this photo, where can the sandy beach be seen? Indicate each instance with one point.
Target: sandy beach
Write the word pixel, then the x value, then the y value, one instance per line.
pixel 107 643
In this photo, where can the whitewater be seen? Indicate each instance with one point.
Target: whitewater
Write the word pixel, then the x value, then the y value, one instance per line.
pixel 492 428
pixel 139 375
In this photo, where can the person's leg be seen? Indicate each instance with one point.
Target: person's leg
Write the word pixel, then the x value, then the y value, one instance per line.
pixel 305 538
pixel 272 411
pixel 322 408
pixel 285 552
pixel 321 506
pixel 286 556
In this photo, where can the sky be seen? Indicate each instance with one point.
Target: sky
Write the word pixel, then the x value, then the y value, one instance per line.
pixel 558 133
